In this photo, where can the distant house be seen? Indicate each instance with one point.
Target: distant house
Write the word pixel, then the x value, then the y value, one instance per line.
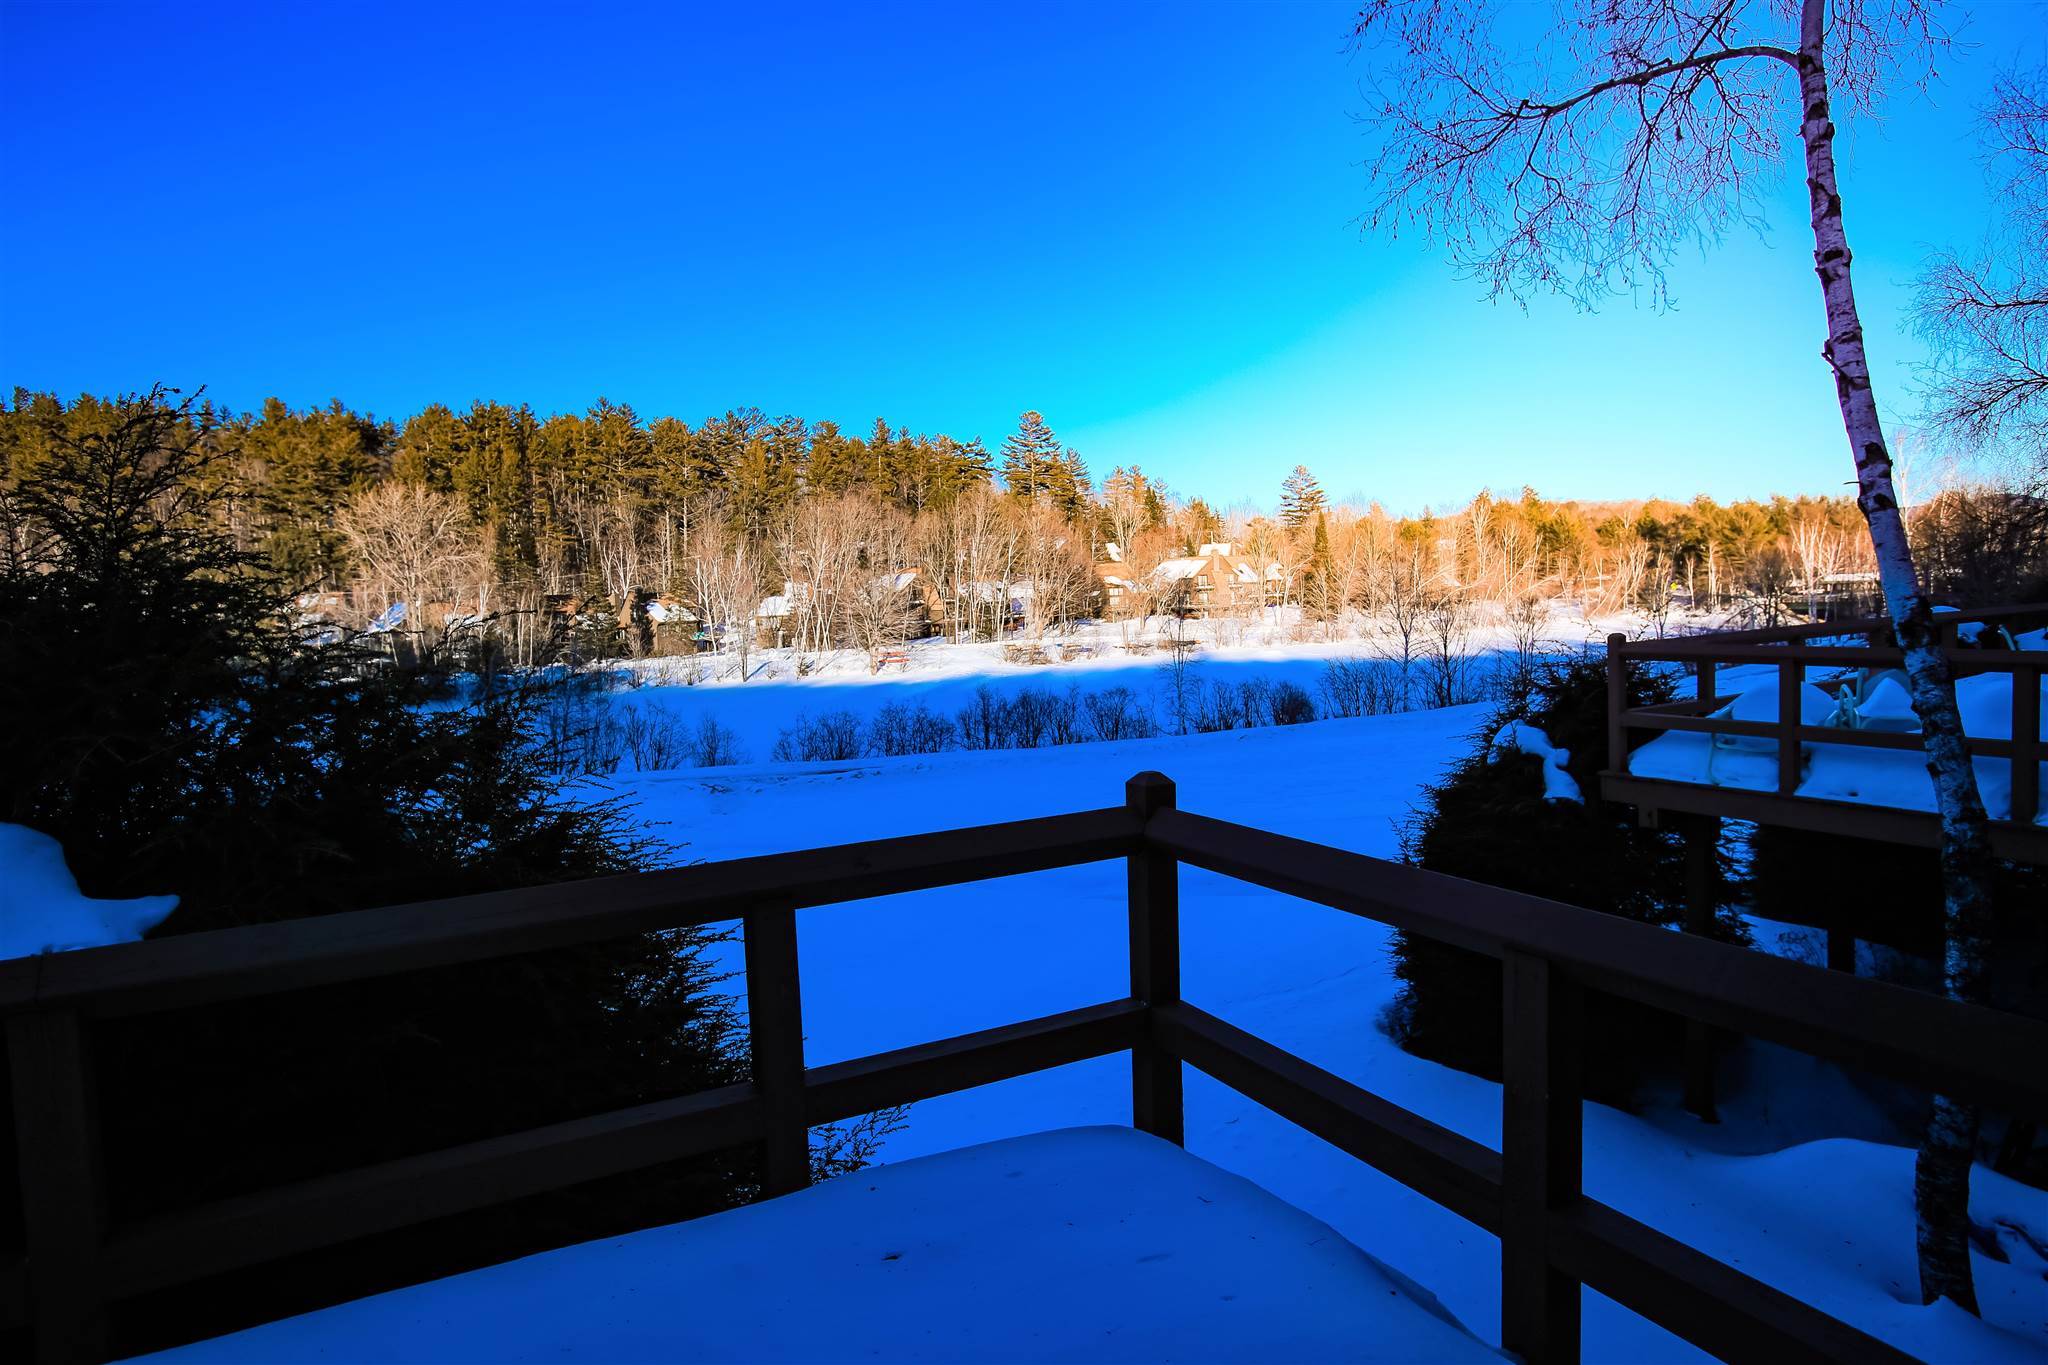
pixel 1118 584
pixel 772 618
pixel 910 598
pixel 677 629
pixel 1218 581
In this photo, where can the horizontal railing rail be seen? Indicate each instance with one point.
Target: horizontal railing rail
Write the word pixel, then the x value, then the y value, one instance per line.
pixel 81 1263
pixel 2014 835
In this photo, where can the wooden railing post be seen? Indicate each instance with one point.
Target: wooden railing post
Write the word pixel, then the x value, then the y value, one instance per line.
pixel 1702 835
pixel 63 1194
pixel 1154 884
pixel 1703 681
pixel 2026 743
pixel 1617 702
pixel 775 1031
pixel 1541 1147
pixel 1791 679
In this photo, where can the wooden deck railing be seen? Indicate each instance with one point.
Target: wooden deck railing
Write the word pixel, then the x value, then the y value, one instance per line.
pixel 1553 1238
pixel 1791 651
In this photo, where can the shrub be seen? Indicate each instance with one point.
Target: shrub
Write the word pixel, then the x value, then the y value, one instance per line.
pixel 1117 713
pixel 1487 821
pixel 655 740
pixel 832 737
pixel 1362 687
pixel 1289 704
pixel 901 728
pixel 1063 717
pixel 1028 719
pixel 981 722
pixel 713 745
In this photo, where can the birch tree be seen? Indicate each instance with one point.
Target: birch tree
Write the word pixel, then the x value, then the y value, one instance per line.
pixel 1579 160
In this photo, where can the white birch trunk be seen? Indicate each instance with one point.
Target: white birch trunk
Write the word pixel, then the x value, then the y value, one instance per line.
pixel 1942 1174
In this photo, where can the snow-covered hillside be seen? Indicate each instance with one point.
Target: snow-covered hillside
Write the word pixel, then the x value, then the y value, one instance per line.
pixel 1804 1185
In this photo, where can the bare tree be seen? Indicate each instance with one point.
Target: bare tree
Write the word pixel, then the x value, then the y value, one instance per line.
pixel 725 588
pixel 415 546
pixel 1580 163
pixel 1987 313
pixel 1817 550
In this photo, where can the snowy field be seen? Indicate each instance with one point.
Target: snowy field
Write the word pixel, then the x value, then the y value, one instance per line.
pixel 779 685
pixel 1807 1186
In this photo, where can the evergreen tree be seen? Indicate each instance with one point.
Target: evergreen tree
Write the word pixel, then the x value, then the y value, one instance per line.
pixel 1301 498
pixel 188 740
pixel 1488 821
pixel 1031 458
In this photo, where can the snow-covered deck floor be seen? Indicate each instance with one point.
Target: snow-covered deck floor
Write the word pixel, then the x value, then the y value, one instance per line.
pixel 1087 1244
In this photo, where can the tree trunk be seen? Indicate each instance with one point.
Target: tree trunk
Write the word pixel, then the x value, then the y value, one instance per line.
pixel 1941 1183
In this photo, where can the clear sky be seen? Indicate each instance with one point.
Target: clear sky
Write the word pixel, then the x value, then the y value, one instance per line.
pixel 1141 220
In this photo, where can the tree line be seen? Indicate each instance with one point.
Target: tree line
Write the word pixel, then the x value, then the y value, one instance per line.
pixel 497 513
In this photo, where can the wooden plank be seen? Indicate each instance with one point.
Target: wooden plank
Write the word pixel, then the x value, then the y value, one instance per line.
pixel 14 1296
pixel 1791 680
pixel 843 1090
pixel 251 1229
pixel 271 1224
pixel 1826 656
pixel 1673 718
pixel 1923 1039
pixel 775 1036
pixel 1702 835
pixel 1462 1175
pixel 190 969
pixel 63 1189
pixel 1886 824
pixel 1542 1038
pixel 1153 889
pixel 1711 1304
pixel 2026 742
pixel 1617 702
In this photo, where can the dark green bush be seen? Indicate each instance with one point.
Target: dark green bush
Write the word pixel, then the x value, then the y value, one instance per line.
pixel 1488 821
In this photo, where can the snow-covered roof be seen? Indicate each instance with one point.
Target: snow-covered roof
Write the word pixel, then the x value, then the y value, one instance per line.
pixel 1174 569
pixel 659 610
pixel 1113 552
pixel 1215 547
pixel 901 580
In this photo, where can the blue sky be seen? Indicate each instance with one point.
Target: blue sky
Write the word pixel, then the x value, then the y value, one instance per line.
pixel 1140 220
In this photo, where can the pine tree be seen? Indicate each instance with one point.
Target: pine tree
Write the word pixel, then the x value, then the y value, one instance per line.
pixel 188 740
pixel 1301 498
pixel 1031 457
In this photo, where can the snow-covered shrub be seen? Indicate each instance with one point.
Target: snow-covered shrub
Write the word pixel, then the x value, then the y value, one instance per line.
pixel 1289 704
pixel 832 737
pixel 713 745
pixel 1488 821
pixel 1117 713
pixel 902 728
